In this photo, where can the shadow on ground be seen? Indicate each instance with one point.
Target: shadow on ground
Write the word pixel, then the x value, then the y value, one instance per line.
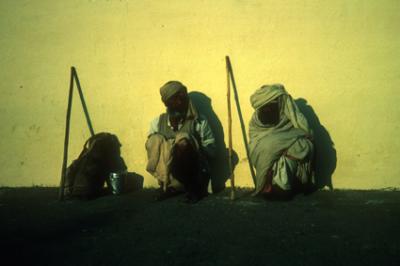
pixel 329 227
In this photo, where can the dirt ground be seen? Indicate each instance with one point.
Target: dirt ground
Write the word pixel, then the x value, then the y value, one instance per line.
pixel 325 228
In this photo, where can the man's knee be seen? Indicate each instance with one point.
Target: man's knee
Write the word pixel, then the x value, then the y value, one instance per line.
pixel 154 140
pixel 183 147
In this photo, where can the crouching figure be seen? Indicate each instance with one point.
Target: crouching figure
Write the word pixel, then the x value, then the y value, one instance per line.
pixel 179 146
pixel 281 145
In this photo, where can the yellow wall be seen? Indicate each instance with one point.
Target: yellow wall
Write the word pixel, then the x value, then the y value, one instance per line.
pixel 341 56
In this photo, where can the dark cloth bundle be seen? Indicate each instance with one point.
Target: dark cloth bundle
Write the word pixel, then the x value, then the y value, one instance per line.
pixel 85 177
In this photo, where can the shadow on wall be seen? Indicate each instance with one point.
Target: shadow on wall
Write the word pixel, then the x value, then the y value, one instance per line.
pixel 325 152
pixel 219 166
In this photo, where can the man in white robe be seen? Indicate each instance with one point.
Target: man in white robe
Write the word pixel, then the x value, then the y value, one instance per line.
pixel 281 147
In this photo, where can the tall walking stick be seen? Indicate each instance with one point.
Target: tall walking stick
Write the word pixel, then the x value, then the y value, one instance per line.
pixel 228 96
pixel 232 79
pixel 74 77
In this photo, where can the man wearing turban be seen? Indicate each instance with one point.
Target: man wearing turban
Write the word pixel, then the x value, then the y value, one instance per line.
pixel 179 145
pixel 281 147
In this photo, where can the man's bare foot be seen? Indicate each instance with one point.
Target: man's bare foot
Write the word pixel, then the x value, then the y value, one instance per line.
pixel 268 183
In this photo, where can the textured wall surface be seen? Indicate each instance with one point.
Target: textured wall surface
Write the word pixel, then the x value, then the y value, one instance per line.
pixel 342 57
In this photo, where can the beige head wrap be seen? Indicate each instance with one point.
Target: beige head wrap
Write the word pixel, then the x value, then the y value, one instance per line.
pixel 268 93
pixel 265 94
pixel 171 88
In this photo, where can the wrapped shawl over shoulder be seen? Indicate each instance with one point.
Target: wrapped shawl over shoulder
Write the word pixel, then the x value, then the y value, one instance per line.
pixel 291 136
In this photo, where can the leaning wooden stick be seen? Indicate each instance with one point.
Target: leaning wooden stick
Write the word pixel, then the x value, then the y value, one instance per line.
pixel 229 66
pixel 228 96
pixel 66 139
pixel 85 110
pixel 74 78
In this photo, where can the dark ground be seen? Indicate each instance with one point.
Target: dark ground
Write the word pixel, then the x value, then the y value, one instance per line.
pixel 325 228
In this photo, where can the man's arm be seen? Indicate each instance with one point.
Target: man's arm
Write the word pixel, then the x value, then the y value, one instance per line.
pixel 154 126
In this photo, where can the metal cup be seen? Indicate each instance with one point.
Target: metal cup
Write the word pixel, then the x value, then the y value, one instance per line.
pixel 117 183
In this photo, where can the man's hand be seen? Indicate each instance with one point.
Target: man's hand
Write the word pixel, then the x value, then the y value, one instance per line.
pixel 175 120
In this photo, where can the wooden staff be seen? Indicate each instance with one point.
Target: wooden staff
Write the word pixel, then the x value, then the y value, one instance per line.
pixel 246 145
pixel 66 139
pixel 85 110
pixel 228 96
pixel 74 77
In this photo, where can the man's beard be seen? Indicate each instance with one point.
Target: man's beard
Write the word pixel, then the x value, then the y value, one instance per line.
pixel 178 115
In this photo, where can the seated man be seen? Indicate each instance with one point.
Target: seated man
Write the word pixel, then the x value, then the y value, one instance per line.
pixel 280 145
pixel 179 145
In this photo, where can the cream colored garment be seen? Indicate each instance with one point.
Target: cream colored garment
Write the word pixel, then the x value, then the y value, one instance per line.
pixel 290 137
pixel 159 158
